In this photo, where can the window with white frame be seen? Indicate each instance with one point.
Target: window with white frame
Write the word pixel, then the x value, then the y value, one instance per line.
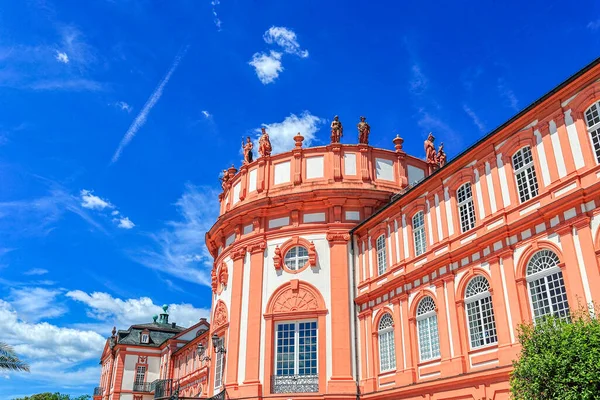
pixel 427 329
pixel 145 337
pixel 592 119
pixel 296 258
pixel 140 375
pixel 381 254
pixel 480 313
pixel 546 286
pixel 418 226
pixel 466 207
pixel 296 348
pixel 527 184
pixel 219 364
pixel 387 347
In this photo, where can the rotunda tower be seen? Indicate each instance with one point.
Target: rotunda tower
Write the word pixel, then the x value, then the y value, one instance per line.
pixel 282 309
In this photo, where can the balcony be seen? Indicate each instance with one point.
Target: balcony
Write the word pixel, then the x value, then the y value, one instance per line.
pixel 162 388
pixel 98 391
pixel 294 384
pixel 142 387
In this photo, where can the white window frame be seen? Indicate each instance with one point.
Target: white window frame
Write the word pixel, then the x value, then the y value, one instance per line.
pixel 592 123
pixel 387 345
pixel 145 338
pixel 298 261
pixel 419 238
pixel 381 254
pixel 466 207
pixel 218 364
pixel 137 375
pixel 427 318
pixel 543 277
pixel 479 300
pixel 530 187
pixel 296 346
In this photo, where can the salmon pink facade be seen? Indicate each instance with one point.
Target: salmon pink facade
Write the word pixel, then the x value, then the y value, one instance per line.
pixel 335 275
pixel 351 272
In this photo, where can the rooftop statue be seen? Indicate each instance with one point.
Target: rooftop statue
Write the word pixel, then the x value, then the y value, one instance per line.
pixel 363 131
pixel 441 156
pixel 264 144
pixel 224 179
pixel 430 154
pixel 247 149
pixel 337 130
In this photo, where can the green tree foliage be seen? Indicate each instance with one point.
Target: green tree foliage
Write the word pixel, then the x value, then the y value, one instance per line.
pixel 54 396
pixel 559 359
pixel 9 360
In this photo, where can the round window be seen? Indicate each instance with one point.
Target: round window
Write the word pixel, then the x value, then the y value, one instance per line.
pixel 296 258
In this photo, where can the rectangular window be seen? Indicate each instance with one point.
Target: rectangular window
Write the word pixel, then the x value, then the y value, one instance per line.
pixel 219 365
pixel 429 345
pixel 466 208
pixel 381 255
pixel 418 225
pixel 140 375
pixel 296 348
pixel 527 184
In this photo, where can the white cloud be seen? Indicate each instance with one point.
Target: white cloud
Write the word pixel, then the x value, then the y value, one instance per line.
pixel 179 249
pixel 93 202
pixel 286 38
pixel 125 223
pixel 36 271
pixel 62 57
pixel 508 94
pixel 114 213
pixel 140 120
pixel 267 66
pixel 282 133
pixel 593 25
pixel 44 341
pixel 216 20
pixel 206 114
pixel 36 303
pixel 480 125
pixel 418 82
pixel 123 106
pixel 124 313
pixel 37 216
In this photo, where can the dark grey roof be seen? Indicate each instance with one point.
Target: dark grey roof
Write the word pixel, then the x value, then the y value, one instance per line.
pixel 159 333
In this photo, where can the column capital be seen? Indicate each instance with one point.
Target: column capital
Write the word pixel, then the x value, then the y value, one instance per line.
pixel 238 253
pixel 338 237
pixel 259 247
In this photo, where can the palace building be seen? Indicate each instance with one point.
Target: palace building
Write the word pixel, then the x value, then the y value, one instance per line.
pixel 352 272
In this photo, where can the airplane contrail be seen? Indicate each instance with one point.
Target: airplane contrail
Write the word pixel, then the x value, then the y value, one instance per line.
pixel 140 120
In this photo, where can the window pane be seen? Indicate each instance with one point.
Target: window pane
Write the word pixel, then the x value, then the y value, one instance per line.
pixel 296 348
pixel 381 255
pixel 296 257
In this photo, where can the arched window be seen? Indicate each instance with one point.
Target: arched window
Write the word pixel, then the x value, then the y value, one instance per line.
pixel 466 208
pixel 418 226
pixel 592 119
pixel 381 254
pixel 527 184
pixel 546 286
pixel 387 348
pixel 296 258
pixel 480 313
pixel 427 327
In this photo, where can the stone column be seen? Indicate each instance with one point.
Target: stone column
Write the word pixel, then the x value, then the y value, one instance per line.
pixel 342 380
pixel 252 379
pixel 235 316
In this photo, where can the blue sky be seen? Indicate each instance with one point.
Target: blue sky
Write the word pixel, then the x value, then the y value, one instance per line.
pixel 117 116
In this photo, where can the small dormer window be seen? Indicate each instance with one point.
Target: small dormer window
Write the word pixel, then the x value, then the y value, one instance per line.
pixel 145 337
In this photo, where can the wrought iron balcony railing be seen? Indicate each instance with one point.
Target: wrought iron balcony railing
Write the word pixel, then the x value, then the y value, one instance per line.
pixel 294 383
pixel 162 388
pixel 142 387
pixel 98 391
